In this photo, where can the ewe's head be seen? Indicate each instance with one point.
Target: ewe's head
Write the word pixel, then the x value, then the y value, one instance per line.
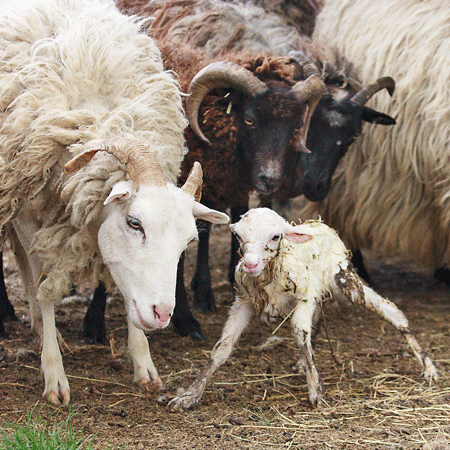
pixel 145 226
pixel 335 124
pixel 260 233
pixel 269 115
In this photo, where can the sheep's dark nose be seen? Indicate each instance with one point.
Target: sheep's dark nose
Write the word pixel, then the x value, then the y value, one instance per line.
pixel 316 189
pixel 266 184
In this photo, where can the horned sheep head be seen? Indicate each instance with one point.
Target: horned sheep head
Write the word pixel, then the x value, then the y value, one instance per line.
pixel 145 226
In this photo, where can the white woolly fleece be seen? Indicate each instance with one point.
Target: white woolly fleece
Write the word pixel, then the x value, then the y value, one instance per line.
pixel 391 191
pixel 72 71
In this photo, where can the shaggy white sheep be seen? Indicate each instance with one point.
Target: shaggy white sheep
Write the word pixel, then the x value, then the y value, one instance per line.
pixel 76 78
pixel 391 192
pixel 290 271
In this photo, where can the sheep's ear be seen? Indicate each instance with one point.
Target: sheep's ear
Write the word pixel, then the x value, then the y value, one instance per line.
pixel 120 191
pixel 293 234
pixel 210 215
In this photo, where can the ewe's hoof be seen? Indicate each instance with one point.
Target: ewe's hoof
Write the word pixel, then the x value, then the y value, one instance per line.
pixel 150 385
pixel 62 399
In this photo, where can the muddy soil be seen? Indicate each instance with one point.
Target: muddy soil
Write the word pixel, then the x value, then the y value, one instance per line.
pixel 376 397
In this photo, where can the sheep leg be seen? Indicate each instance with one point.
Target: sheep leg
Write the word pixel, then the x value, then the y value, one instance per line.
pixel 145 373
pixel 303 321
pixel 56 384
pixel 6 308
pixel 356 291
pixel 201 282
pixel 235 214
pixel 238 319
pixel 94 330
pixel 184 322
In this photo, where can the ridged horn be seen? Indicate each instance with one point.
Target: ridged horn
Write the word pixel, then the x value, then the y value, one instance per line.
pixel 220 74
pixel 308 67
pixel 140 163
pixel 193 184
pixel 368 91
pixel 309 91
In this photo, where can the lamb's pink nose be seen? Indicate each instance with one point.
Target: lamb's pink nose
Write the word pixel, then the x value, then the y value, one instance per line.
pixel 161 315
pixel 250 266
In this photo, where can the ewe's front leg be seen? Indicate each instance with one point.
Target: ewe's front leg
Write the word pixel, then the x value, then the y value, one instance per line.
pixel 145 373
pixel 356 291
pixel 56 384
pixel 303 320
pixel 238 319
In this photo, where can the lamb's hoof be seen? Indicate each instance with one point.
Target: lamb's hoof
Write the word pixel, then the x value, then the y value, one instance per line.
pixel 182 402
pixel 150 385
pixel 63 398
pixel 431 373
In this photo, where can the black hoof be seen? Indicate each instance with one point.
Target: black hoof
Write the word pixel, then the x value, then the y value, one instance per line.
pixel 188 327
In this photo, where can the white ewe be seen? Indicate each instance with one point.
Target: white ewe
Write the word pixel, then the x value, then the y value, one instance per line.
pixel 391 192
pixel 77 77
pixel 288 271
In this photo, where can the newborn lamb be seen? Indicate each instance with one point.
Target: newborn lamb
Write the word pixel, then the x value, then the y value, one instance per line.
pixel 288 270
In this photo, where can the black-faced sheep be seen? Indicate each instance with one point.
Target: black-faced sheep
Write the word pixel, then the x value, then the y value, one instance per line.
pixel 335 122
pixel 391 192
pixel 82 86
pixel 291 271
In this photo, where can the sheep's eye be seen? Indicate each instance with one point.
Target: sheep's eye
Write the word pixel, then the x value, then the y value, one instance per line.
pixel 248 121
pixel 276 237
pixel 134 223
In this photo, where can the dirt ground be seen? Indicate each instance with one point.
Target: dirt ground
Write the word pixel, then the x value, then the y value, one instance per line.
pixel 376 397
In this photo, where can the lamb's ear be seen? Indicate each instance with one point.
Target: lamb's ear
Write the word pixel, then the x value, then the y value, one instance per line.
pixel 120 191
pixel 210 215
pixel 293 234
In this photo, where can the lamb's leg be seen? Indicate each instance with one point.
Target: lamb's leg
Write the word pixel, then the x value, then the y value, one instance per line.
pixel 303 321
pixel 356 291
pixel 145 373
pixel 238 319
pixel 56 384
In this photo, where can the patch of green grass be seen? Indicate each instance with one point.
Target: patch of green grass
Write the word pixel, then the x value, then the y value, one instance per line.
pixel 44 431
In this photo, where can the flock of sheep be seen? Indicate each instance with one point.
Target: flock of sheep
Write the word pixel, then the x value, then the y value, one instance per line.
pixel 97 135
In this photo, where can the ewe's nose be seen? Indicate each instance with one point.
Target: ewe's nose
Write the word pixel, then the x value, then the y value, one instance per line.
pixel 316 189
pixel 266 184
pixel 161 314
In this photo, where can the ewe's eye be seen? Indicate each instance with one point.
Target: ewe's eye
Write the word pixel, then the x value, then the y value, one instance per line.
pixel 134 223
pixel 276 238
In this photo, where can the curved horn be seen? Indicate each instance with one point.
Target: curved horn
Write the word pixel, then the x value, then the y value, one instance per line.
pixel 140 163
pixel 308 67
pixel 219 75
pixel 193 184
pixel 361 97
pixel 309 91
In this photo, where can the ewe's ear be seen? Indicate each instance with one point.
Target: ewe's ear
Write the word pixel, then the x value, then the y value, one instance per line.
pixel 293 234
pixel 210 215
pixel 120 191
